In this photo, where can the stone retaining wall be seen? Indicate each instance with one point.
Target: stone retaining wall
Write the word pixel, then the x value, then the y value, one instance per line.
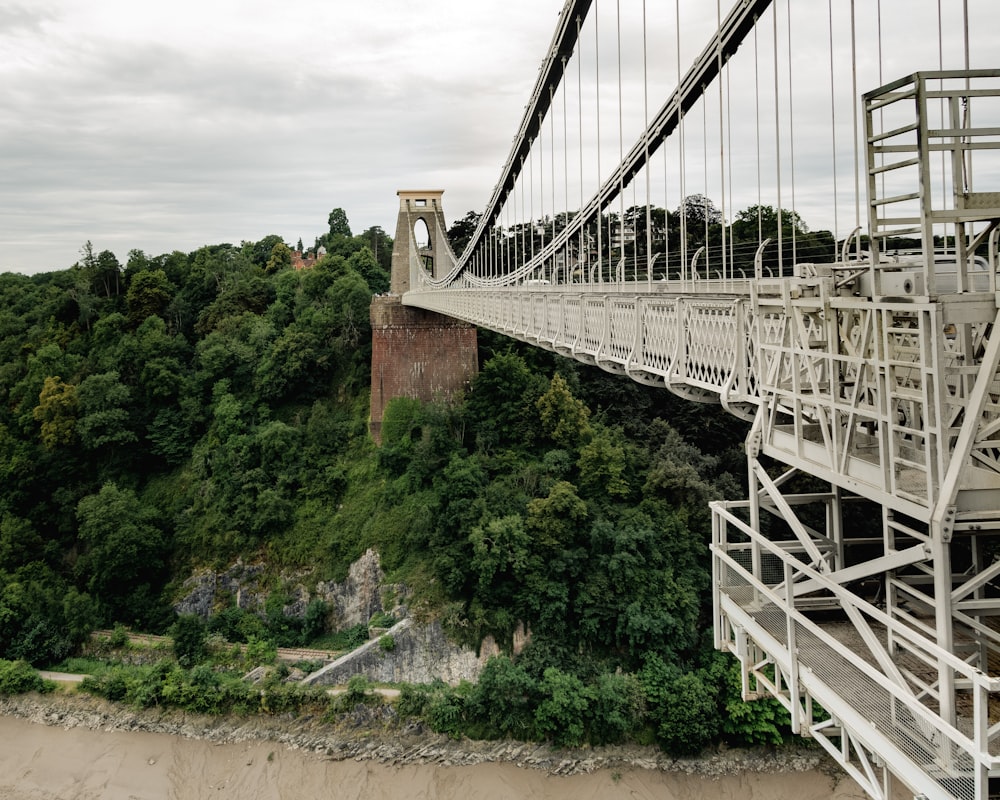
pixel 419 653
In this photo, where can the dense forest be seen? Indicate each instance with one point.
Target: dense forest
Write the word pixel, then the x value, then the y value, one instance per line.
pixel 189 409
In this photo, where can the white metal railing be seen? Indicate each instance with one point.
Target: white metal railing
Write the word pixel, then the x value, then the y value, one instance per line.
pixel 696 344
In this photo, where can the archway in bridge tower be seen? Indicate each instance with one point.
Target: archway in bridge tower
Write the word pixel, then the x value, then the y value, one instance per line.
pixel 422 238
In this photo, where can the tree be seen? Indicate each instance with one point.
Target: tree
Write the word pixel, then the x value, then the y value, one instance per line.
pixel 636 221
pixel 554 520
pixel 47 361
pixel 337 220
pixel 280 258
pixel 363 262
pixel 602 465
pixel 501 555
pixel 105 276
pixel 19 543
pixel 564 418
pixel 243 292
pixel 500 403
pixel 381 246
pixel 190 634
pixel 259 252
pixel 149 293
pixel 505 697
pixel 461 231
pixel 761 222
pixel 681 704
pixel 616 707
pixel 56 411
pixel 562 713
pixel 123 561
pixel 32 622
pixel 699 210
pixel 104 403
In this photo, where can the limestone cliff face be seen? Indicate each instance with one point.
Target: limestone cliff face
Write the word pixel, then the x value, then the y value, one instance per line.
pixel 353 601
pixel 359 598
pixel 419 653
pixel 206 591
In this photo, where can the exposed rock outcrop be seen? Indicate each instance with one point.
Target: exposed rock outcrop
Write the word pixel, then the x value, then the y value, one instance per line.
pixel 359 598
pixel 420 653
pixel 241 582
pixel 353 601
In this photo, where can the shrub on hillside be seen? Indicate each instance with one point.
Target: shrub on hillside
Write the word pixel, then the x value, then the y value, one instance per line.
pixel 18 677
pixel 190 635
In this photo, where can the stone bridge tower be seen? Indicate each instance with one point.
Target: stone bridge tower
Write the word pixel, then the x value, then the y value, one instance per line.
pixel 417 353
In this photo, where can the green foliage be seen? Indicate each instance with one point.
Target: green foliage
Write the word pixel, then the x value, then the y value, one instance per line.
pixel 119 636
pixel 462 230
pixel 357 690
pixel 412 700
pixel 357 693
pixel 682 705
pixel 446 710
pixel 260 651
pixel 104 419
pixel 367 266
pixel 386 643
pixel 338 223
pixel 382 619
pixel 18 677
pixel 505 700
pixel 79 665
pixel 749 723
pixel 148 293
pixel 201 690
pixel 502 551
pixel 195 408
pixel 347 639
pixel 190 635
pixel 510 702
pixel 316 620
pixel 123 563
pixel 564 418
pixel 603 465
pixel 401 420
pixel 280 258
pixel 500 404
pixel 20 544
pixel 39 616
pixel 616 708
pixel 56 412
pixel 561 715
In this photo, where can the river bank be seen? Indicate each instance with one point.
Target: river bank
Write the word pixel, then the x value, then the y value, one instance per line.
pixel 74 746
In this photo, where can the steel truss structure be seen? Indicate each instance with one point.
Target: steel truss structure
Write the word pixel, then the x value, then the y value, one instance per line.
pixel 857 583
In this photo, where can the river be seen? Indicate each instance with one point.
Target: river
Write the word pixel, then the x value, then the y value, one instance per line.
pixel 47 762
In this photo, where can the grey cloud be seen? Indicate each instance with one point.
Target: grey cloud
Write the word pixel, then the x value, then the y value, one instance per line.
pixel 17 18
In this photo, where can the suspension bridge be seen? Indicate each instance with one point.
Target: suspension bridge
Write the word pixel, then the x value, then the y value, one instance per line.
pixel 858 581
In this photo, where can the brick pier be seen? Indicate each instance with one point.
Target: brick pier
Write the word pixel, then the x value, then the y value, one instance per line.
pixel 417 353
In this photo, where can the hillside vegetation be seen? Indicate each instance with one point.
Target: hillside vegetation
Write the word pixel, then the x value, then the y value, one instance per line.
pixel 186 410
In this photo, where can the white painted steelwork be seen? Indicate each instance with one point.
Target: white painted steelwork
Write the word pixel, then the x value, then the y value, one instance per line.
pixel 878 380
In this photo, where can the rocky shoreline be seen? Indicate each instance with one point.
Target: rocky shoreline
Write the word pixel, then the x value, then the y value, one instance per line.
pixel 371 734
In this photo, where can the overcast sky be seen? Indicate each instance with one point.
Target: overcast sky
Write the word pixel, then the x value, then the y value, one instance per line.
pixel 166 126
